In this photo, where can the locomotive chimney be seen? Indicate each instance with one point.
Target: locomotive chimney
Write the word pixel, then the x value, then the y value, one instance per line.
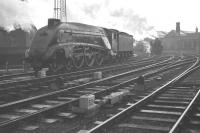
pixel 178 27
pixel 53 21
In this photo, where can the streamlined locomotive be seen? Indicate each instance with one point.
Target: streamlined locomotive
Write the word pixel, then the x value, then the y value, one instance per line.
pixel 69 45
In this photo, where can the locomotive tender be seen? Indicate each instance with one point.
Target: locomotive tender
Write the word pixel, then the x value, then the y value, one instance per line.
pixel 69 45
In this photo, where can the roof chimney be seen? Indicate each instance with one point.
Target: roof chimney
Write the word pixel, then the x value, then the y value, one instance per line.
pixel 196 29
pixel 178 27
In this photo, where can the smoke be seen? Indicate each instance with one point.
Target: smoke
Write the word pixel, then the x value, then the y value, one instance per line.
pixel 23 13
pixel 131 22
pixel 91 10
pixel 104 13
pixel 13 12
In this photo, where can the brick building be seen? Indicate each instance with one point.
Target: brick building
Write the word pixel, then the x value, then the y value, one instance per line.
pixel 181 42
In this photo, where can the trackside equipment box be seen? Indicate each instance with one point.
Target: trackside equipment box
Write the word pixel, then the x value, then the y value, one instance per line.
pixel 115 97
pixel 86 101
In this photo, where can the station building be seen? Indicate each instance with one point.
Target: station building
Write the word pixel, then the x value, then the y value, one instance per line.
pixel 181 42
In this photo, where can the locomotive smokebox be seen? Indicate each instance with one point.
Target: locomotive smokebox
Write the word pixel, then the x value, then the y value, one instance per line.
pixel 178 27
pixel 53 21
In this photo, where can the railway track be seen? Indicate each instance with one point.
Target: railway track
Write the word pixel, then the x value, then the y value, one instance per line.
pixel 25 74
pixel 11 76
pixel 18 90
pixel 10 79
pixel 161 111
pixel 189 121
pixel 13 113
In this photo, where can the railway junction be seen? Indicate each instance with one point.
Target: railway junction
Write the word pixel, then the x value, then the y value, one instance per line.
pixel 105 99
pixel 73 77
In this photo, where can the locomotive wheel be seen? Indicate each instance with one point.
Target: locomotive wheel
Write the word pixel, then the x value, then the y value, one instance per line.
pixel 56 64
pixel 78 60
pixel 68 64
pixel 89 57
pixel 55 67
pixel 99 58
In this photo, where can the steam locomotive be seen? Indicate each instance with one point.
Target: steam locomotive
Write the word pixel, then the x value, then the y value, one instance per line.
pixel 69 45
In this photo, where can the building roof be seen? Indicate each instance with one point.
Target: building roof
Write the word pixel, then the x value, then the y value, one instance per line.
pixel 173 33
pixel 161 34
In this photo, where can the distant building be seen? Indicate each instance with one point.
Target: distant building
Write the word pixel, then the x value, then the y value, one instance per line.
pixel 181 42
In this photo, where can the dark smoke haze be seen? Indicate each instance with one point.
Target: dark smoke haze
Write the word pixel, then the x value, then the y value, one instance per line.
pixel 132 21
pixel 103 13
pixel 14 12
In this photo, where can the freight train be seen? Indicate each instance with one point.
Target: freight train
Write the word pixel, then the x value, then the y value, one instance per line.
pixel 69 45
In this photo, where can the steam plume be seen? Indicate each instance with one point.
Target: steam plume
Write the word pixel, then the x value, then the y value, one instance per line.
pixel 13 12
pixel 106 13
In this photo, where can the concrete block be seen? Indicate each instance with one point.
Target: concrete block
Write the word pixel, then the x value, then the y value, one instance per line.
pixel 30 128
pixel 86 101
pixel 42 73
pixel 97 75
pixel 158 78
pixel 115 97
pixel 83 80
pixel 87 111
pixel 125 92
pixel 83 131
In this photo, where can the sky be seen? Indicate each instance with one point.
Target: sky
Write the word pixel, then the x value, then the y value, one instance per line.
pixel 141 18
